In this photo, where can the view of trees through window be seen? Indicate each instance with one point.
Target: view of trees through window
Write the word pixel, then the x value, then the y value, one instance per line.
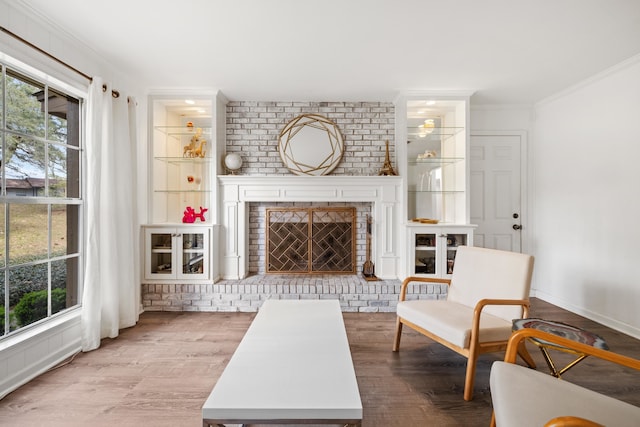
pixel 40 203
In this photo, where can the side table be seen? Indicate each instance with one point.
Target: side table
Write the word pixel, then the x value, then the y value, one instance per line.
pixel 564 330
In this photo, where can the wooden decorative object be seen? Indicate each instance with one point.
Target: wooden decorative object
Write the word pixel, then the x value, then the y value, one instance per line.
pixel 387 167
pixel 368 268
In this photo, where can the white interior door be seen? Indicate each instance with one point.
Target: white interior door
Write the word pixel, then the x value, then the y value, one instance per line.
pixel 496 204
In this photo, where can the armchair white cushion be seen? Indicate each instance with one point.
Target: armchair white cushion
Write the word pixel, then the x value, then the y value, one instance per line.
pixel 451 321
pixel 488 289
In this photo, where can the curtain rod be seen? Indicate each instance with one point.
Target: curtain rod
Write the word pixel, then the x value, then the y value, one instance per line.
pixel 114 93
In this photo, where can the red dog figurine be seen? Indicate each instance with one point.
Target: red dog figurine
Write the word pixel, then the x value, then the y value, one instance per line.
pixel 190 215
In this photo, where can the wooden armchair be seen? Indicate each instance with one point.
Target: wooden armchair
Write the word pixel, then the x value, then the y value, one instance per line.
pixel 488 289
pixel 525 397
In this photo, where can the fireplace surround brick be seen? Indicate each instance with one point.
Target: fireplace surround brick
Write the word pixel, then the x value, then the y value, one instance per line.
pixel 253 127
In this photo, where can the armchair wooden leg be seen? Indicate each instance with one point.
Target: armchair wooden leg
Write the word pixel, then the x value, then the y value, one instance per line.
pixel 470 377
pixel 396 340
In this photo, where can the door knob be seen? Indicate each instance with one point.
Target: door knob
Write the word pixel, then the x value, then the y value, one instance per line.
pixel 517 227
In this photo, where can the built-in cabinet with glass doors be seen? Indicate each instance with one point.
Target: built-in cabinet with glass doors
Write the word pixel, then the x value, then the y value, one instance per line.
pixel 180 239
pixel 432 145
pixel 180 253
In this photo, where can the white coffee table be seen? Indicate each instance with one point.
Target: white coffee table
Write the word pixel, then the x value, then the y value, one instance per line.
pixel 292 366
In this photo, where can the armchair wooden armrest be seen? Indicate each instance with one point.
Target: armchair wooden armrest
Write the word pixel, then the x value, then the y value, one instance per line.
pixel 519 336
pixel 477 312
pixel 571 422
pixel 489 346
pixel 485 302
pixel 405 284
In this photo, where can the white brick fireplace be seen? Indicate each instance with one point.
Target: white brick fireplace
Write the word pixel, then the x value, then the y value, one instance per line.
pixel 383 192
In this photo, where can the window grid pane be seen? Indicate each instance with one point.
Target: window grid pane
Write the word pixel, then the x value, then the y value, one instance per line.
pixel 28 233
pixel 28 294
pixel 25 112
pixel 63 279
pixel 64 171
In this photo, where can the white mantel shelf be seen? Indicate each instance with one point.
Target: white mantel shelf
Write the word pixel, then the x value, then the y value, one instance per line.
pixel 384 192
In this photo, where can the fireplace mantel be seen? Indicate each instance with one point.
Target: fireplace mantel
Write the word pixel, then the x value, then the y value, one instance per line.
pixel 384 192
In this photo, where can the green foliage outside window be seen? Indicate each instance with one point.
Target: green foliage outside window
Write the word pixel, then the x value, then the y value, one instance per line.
pixel 30 280
pixel 33 306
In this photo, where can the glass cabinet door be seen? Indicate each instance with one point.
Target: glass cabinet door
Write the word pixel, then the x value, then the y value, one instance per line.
pixel 452 243
pixel 193 257
pixel 425 253
pixel 161 254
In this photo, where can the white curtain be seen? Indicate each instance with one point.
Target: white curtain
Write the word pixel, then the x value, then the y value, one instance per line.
pixel 110 297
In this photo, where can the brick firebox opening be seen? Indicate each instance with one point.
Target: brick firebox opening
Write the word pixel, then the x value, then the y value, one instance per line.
pixel 311 240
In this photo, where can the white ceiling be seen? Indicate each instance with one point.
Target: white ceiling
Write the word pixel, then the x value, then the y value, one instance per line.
pixel 508 51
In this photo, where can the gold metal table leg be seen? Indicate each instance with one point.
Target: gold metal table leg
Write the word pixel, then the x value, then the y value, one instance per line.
pixel 552 367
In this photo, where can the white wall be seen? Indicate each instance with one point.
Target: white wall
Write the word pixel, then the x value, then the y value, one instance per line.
pixel 586 200
pixel 501 117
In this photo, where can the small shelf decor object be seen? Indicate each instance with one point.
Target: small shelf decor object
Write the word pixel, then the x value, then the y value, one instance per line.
pixel 425 220
pixel 311 144
pixel 387 167
pixel 233 162
pixel 190 215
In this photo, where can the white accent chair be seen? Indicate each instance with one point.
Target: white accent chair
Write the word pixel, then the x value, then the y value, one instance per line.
pixel 488 289
pixel 528 398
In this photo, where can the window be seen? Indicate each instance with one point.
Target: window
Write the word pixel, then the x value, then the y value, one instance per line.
pixel 40 198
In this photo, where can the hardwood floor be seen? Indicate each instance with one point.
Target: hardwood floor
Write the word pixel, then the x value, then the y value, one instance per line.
pixel 160 372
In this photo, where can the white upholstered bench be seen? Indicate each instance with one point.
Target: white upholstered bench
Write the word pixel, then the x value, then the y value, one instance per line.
pixel 292 366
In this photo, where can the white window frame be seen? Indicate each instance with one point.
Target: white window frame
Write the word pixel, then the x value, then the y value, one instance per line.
pixel 81 93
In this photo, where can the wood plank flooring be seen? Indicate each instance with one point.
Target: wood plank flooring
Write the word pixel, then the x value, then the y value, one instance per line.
pixel 160 372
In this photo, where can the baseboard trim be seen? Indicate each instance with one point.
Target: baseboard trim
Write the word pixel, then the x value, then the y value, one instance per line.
pixel 24 357
pixel 591 315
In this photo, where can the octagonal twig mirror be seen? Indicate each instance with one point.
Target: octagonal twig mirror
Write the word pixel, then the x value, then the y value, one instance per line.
pixel 311 144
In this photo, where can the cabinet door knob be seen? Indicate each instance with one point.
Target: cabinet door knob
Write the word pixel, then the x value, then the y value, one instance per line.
pixel 517 227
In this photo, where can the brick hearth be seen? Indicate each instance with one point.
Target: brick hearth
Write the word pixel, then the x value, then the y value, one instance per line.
pixel 354 293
